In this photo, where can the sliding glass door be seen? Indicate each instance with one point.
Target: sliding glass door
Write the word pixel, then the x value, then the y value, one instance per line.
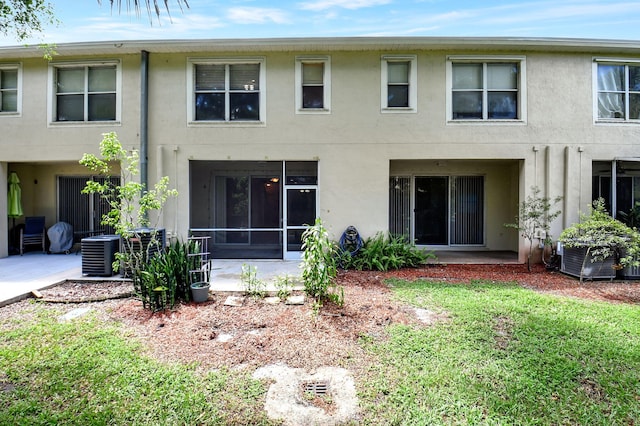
pixel 431 210
pixel 447 210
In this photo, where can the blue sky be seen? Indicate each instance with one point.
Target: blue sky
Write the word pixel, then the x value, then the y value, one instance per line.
pixel 85 20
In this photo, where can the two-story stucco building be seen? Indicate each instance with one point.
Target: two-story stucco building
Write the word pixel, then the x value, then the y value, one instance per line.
pixel 438 139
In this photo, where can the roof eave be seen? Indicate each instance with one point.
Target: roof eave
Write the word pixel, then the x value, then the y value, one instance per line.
pixel 328 44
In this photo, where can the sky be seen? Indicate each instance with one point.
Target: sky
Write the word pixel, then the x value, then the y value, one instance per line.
pixel 86 20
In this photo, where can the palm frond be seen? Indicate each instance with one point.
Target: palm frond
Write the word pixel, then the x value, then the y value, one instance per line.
pixel 152 6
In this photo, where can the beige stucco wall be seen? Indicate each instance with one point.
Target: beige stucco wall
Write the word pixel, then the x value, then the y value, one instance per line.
pixel 356 142
pixel 354 145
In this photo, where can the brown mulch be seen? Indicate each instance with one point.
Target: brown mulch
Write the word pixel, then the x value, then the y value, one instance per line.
pixel 257 334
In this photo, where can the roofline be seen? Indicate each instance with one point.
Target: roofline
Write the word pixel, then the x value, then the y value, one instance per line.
pixel 547 44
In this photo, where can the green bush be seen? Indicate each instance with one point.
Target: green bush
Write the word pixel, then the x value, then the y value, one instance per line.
pixel 164 280
pixel 382 253
pixel 603 236
pixel 319 267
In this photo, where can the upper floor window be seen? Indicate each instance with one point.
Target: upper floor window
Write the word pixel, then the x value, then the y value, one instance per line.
pixel 9 84
pixel 85 92
pixel 618 91
pixel 399 83
pixel 227 91
pixel 313 90
pixel 486 89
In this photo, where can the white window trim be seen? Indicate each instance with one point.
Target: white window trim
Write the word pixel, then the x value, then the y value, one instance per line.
pixel 326 60
pixel 413 84
pixel 18 112
pixel 51 93
pixel 191 113
pixel 594 80
pixel 522 87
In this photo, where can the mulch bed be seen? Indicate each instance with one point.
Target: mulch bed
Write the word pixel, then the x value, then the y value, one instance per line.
pixel 257 334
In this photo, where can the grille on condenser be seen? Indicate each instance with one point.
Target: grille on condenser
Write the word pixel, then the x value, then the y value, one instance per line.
pixel 98 254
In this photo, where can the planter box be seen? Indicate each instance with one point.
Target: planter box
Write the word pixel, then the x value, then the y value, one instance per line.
pixel 573 259
pixel 629 272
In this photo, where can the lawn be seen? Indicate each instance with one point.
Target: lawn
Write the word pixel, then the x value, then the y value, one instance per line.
pixel 507 355
pixel 501 355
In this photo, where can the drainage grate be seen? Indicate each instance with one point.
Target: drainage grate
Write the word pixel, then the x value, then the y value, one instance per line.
pixel 317 388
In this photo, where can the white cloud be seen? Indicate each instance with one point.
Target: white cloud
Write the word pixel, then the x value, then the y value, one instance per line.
pixel 345 4
pixel 113 28
pixel 257 15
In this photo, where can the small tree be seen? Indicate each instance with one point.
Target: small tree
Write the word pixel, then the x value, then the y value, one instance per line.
pixel 534 220
pixel 319 268
pixel 130 204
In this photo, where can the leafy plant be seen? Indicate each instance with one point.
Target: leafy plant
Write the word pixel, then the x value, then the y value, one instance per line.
pixel 252 285
pixel 603 236
pixel 632 217
pixel 319 268
pixel 534 220
pixel 168 272
pixel 130 204
pixel 284 285
pixel 382 253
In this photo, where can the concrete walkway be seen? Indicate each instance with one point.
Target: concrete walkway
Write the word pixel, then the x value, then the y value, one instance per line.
pixel 20 275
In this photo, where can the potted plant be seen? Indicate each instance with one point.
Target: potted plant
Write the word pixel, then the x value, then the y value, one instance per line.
pixel 600 244
pixel 200 291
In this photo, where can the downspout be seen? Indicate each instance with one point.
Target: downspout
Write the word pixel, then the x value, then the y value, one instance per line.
pixel 614 192
pixel 144 118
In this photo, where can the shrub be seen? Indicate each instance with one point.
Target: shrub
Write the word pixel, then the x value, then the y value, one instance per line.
pixel 165 279
pixel 319 266
pixel 603 236
pixel 383 253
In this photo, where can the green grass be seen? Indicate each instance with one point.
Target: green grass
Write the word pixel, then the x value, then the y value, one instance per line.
pixel 86 373
pixel 507 355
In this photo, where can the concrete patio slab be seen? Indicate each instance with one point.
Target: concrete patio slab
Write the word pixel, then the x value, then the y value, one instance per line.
pixel 20 275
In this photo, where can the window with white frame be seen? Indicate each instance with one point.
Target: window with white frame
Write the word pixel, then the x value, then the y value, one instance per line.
pixel 226 91
pixel 85 92
pixel 313 84
pixel 9 89
pixel 486 89
pixel 399 83
pixel 617 90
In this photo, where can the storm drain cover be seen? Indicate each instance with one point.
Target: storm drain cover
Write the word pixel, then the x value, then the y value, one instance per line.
pixel 317 388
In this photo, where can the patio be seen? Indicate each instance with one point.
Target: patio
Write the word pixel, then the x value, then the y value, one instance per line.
pixel 20 275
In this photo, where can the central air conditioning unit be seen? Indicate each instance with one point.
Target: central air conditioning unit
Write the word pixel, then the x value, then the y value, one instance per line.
pixel 573 261
pixel 98 254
